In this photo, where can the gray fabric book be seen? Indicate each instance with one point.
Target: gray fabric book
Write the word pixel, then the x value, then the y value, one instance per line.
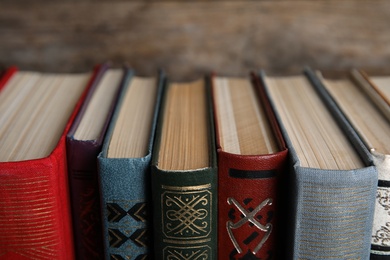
pixel 369 115
pixel 125 187
pixel 328 213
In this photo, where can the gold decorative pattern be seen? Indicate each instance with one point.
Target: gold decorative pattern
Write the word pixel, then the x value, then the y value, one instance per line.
pixel 186 212
pixel 187 188
pixel 187 253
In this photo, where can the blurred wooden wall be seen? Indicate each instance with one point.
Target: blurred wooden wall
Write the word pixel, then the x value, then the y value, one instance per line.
pixel 189 38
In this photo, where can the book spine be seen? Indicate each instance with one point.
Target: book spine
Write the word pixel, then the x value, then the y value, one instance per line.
pixel 334 213
pixel 380 242
pixel 185 214
pixel 85 198
pixel 247 205
pixel 125 202
pixel 35 212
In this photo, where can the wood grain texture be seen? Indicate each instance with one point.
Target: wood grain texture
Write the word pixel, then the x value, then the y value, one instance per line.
pixel 189 38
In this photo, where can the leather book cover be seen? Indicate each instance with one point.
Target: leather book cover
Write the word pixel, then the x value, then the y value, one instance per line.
pixel 35 204
pixel 185 202
pixel 83 181
pixel 248 188
pixel 125 192
pixel 6 75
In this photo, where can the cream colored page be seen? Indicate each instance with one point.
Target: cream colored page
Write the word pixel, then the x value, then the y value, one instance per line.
pixel 315 136
pixel 39 120
pixel 242 119
pixel 227 128
pixel 383 84
pixel 131 134
pixel 95 115
pixel 364 115
pixel 16 92
pixel 184 137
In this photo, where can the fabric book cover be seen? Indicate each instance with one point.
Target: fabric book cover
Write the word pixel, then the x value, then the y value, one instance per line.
pixel 125 190
pixel 248 189
pixel 331 211
pixel 185 201
pixel 35 202
pixel 83 179
pixel 374 133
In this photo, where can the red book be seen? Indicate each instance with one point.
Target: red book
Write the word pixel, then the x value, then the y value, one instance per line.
pixel 35 217
pixel 251 154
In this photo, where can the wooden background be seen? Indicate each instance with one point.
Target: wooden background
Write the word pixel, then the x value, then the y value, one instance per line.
pixel 189 38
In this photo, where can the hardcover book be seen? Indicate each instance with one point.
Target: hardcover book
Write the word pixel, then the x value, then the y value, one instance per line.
pixel 332 179
pixel 380 83
pixel 184 175
pixel 84 143
pixel 251 154
pixel 36 112
pixel 124 169
pixel 377 89
pixel 355 94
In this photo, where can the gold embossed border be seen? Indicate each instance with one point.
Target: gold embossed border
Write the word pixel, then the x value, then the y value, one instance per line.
pixel 187 253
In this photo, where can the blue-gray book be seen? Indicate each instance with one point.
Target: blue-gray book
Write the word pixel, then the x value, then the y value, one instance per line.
pixel 329 202
pixel 369 115
pixel 124 169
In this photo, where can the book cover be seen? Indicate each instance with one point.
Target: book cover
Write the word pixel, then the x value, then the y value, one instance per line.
pixel 6 76
pixel 35 207
pixel 83 179
pixel 331 211
pixel 185 201
pixel 248 188
pixel 125 189
pixel 378 83
pixel 361 104
pixel 380 241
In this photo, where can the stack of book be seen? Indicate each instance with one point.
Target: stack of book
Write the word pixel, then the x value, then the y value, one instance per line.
pixel 110 165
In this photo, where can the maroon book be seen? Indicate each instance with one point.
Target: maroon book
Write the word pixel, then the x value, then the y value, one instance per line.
pixel 83 179
pixel 247 190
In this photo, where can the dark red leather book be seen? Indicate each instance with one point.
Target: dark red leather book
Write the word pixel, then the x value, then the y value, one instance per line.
pixel 247 175
pixel 82 152
pixel 35 216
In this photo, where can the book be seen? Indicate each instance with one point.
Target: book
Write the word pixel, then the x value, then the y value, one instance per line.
pixel 124 169
pixel 332 179
pixel 353 95
pixel 84 143
pixel 6 75
pixel 380 83
pixel 36 112
pixel 251 155
pixel 377 89
pixel 184 174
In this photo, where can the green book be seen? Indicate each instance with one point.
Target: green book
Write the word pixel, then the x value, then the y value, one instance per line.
pixel 184 174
